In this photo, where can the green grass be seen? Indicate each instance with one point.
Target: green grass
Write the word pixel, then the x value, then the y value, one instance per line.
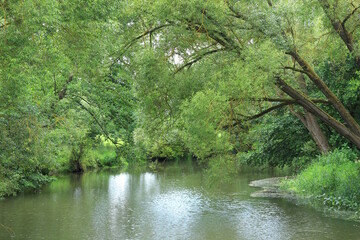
pixel 333 179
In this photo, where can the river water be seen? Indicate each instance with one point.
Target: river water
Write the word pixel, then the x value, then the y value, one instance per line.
pixel 171 204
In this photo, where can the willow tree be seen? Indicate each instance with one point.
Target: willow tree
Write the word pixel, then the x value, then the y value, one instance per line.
pixel 280 43
pixel 56 88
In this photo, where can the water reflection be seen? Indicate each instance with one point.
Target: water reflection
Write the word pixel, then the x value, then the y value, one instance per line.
pixel 176 211
pixel 169 205
pixel 148 183
pixel 268 220
pixel 118 190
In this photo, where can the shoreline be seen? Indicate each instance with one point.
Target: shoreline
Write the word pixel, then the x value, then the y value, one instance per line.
pixel 270 188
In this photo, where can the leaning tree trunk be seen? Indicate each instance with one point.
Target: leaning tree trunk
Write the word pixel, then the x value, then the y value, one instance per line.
pixel 310 122
pixel 351 129
pixel 310 106
pixel 332 98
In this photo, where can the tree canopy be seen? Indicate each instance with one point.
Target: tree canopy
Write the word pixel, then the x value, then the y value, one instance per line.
pixel 260 56
pixel 227 82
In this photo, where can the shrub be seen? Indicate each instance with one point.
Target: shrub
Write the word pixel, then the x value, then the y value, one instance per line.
pixel 333 178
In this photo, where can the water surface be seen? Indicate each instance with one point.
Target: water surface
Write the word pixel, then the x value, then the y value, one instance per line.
pixel 171 204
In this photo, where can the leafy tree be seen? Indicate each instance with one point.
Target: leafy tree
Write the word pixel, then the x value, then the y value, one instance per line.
pixel 57 90
pixel 281 34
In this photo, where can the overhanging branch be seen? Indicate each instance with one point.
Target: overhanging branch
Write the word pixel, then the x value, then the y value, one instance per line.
pixel 133 41
pixel 282 103
pixel 97 122
pixel 247 118
pixel 198 58
pixel 282 100
pixel 310 106
pixel 349 16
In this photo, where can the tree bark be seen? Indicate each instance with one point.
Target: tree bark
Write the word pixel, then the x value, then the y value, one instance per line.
pixel 344 113
pixel 307 104
pixel 311 123
pixel 339 27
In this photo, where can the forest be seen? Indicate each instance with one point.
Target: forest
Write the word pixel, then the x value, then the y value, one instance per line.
pixel 102 83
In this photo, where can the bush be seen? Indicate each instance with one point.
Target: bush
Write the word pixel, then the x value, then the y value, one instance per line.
pixel 271 141
pixel 15 181
pixel 334 178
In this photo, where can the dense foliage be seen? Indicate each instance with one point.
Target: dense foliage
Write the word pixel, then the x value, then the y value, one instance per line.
pixel 61 107
pixel 332 178
pixel 87 84
pixel 211 74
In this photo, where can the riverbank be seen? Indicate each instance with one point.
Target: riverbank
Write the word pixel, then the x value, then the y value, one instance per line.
pixel 270 188
pixel 35 182
pixel 273 188
pixel 169 204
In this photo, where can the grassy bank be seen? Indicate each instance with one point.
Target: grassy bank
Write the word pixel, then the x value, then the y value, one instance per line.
pixel 333 180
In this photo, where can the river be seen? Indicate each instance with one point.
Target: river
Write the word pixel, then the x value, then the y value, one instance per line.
pixel 171 204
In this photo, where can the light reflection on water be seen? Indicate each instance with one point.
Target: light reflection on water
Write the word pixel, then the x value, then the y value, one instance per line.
pixel 268 220
pixel 169 205
pixel 176 211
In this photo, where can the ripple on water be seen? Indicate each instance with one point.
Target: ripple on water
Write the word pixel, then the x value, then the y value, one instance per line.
pixel 175 212
pixel 162 206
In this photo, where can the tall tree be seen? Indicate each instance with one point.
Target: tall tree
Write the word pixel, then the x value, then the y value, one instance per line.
pixel 195 30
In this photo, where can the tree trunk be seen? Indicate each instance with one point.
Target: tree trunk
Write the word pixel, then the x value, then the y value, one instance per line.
pixel 311 123
pixel 339 27
pixel 344 113
pixel 310 106
pixel 316 132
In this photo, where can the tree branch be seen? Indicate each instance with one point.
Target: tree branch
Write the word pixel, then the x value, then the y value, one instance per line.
pixel 62 93
pixel 149 31
pixel 201 56
pixel 97 122
pixel 236 14
pixel 295 69
pixel 285 100
pixel 321 85
pixel 133 41
pixel 247 118
pixel 230 44
pixel 349 16
pixel 310 106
